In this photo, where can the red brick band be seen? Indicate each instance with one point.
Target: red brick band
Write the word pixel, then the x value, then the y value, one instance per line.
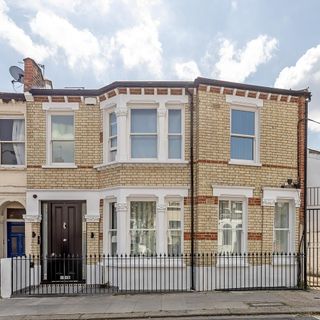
pixel 201 236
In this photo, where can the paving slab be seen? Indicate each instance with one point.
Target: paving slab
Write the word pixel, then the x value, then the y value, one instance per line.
pixel 142 306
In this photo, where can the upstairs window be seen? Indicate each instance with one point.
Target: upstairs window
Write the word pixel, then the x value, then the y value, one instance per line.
pixel 12 142
pixel 144 134
pixel 112 136
pixel 243 135
pixel 174 134
pixel 62 139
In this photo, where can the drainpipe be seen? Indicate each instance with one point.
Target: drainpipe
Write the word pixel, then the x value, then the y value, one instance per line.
pixel 305 190
pixel 191 187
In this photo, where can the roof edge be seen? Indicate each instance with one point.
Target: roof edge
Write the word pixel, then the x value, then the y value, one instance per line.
pixel 12 96
pixel 111 86
pixel 243 86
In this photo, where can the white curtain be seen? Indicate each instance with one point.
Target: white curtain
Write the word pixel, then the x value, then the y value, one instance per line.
pixel 18 135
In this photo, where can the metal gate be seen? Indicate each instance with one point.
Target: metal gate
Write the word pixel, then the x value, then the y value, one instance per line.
pixel 313 236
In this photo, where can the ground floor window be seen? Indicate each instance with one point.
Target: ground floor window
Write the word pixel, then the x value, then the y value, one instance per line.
pixel 113 228
pixel 230 226
pixel 282 227
pixel 174 239
pixel 143 227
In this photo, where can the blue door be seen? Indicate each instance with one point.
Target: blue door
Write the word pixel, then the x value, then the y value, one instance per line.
pixel 15 235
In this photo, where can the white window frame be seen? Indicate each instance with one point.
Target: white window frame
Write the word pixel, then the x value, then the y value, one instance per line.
pixel 182 134
pixel 291 229
pixel 169 199
pixel 50 163
pixel 157 134
pixel 244 201
pixel 255 137
pixel 9 117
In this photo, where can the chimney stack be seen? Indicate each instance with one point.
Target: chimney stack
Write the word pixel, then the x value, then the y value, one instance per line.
pixel 33 77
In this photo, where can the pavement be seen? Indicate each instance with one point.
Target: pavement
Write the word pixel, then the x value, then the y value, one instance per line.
pixel 161 306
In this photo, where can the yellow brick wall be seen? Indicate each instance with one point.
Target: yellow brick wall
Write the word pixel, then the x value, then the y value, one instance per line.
pixel 87 150
pixel 278 156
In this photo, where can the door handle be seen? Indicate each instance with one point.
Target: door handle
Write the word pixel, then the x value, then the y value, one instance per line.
pixel 65 240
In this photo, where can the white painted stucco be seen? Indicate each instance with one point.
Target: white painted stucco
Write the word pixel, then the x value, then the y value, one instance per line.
pixel 313 175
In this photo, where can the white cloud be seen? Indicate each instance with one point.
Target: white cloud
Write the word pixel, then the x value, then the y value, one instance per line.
pixel 187 70
pixel 305 73
pixel 98 7
pixel 306 68
pixel 18 39
pixel 139 45
pixel 237 64
pixel 234 5
pixel 80 47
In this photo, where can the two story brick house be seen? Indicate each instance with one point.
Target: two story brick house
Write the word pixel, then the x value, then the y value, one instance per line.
pixel 161 167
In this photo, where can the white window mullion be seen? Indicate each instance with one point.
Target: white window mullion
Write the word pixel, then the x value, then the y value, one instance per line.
pixel 122 119
pixel 122 215
pixel 161 228
pixel 162 141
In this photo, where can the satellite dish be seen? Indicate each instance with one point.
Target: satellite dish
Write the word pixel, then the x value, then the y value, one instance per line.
pixel 16 73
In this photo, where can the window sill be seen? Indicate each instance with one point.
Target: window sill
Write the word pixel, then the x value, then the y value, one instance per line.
pixel 53 166
pixel 245 163
pixel 145 262
pixel 13 167
pixel 104 165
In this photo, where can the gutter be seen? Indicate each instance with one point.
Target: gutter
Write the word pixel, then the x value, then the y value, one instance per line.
pixel 191 186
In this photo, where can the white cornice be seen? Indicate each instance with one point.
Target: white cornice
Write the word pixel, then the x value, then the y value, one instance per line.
pixel 272 195
pixel 32 218
pixel 244 101
pixel 92 218
pixel 60 106
pixel 123 100
pixel 232 191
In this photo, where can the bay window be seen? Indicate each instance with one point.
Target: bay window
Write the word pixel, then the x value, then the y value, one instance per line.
pixel 174 228
pixel 62 138
pixel 112 139
pixel 143 227
pixel 230 226
pixel 243 135
pixel 174 134
pixel 282 227
pixel 12 142
pixel 144 133
pixel 113 229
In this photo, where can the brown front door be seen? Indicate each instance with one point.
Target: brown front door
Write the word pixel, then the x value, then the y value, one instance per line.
pixel 64 241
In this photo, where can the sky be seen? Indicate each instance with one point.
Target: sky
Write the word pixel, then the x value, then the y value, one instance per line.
pixel 89 44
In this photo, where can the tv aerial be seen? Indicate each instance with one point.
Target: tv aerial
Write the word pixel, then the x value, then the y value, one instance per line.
pixel 17 74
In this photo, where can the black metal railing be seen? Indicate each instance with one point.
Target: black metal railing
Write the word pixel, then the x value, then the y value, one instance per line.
pixel 65 275
pixel 313 247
